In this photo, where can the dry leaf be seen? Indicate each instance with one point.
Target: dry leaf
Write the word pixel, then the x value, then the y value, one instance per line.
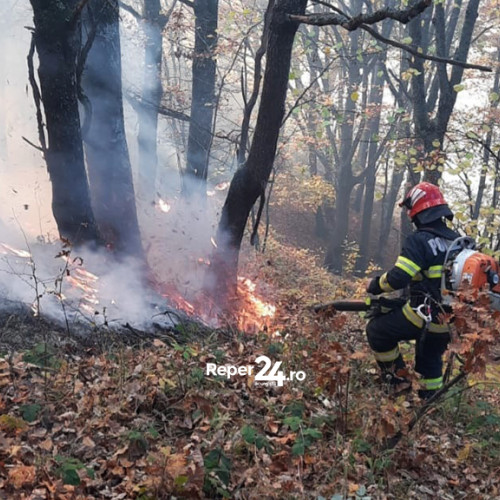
pixel 22 475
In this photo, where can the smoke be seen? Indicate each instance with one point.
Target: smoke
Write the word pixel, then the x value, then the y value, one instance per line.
pixel 34 267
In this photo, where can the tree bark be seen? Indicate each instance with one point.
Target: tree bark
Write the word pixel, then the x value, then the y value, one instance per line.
pixel 250 180
pixel 151 99
pixel 109 168
pixel 57 43
pixel 203 96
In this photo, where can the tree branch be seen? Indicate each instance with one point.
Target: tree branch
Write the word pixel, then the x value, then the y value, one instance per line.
pixel 353 23
pixel 138 103
pixel 36 97
pixel 130 10
pixel 306 89
pixel 392 442
pixel 416 53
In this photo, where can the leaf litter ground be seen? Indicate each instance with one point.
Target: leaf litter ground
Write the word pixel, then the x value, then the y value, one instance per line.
pixel 144 421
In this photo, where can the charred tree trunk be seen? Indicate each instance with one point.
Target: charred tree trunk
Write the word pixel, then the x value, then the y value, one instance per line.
pixel 250 180
pixel 203 96
pixel 151 99
pixel 110 173
pixel 57 40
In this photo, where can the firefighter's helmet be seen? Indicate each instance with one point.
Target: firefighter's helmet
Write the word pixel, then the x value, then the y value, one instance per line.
pixel 425 203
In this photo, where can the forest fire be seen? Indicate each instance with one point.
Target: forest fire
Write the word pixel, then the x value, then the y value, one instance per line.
pixel 253 313
pixel 80 291
pixel 249 313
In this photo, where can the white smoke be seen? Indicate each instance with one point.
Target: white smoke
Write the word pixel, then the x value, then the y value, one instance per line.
pixel 177 242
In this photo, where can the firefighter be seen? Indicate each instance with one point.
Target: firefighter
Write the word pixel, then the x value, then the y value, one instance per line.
pixel 420 266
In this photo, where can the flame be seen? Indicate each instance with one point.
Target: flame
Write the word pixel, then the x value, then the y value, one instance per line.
pixel 253 314
pixel 164 206
pixel 250 312
pixel 83 280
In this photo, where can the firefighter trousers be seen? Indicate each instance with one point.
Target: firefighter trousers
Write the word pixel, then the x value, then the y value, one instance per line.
pixel 384 333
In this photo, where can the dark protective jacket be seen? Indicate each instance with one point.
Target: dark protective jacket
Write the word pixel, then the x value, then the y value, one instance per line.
pixel 420 266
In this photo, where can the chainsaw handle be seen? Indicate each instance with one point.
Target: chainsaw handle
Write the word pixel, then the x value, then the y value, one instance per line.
pixel 351 305
pixel 359 305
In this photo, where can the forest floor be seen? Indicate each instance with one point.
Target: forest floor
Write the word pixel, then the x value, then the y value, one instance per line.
pixel 145 421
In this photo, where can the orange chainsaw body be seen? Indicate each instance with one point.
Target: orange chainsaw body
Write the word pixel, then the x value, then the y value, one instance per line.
pixel 476 268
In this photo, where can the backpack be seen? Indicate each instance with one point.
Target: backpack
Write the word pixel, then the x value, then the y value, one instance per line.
pixel 464 264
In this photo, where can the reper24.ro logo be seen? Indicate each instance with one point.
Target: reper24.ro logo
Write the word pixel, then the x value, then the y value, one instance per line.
pixel 269 374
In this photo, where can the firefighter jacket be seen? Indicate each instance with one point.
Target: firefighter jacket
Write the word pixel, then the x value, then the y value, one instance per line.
pixel 420 266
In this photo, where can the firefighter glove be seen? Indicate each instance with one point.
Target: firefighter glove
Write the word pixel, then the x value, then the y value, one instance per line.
pixel 374 286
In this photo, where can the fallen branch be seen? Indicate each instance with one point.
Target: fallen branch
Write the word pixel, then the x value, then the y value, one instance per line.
pixel 394 440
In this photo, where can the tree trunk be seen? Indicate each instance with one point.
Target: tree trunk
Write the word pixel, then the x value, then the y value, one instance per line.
pixel 348 144
pixel 388 204
pixel 432 131
pixel 151 99
pixel 249 181
pixel 110 173
pixel 377 91
pixel 57 43
pixel 335 253
pixel 203 96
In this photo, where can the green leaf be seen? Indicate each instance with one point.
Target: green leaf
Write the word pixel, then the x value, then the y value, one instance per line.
pixel 314 433
pixel 494 96
pixel 30 412
pixel 355 96
pixel 298 448
pixel 459 87
pixel 293 422
pixel 407 41
pixel 70 476
pixel 248 434
pixel 436 143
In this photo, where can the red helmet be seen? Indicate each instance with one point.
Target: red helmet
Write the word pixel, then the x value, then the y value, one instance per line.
pixel 422 197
